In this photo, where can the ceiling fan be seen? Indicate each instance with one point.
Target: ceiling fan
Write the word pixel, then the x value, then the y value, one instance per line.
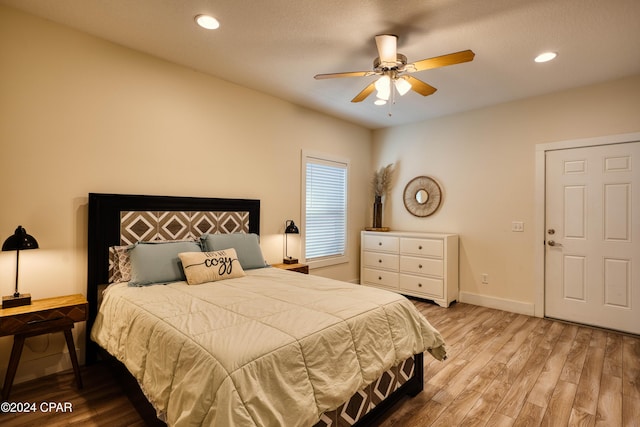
pixel 392 67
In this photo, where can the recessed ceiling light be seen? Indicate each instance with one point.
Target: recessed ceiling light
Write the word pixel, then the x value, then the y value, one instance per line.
pixel 207 21
pixel 545 57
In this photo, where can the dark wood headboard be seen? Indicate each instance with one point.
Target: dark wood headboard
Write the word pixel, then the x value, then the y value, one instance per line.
pixel 105 230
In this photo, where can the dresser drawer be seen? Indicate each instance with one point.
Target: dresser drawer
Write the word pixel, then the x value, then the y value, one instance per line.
pixel 381 260
pixel 44 319
pixel 381 243
pixel 422 247
pixel 380 277
pixel 428 266
pixel 424 285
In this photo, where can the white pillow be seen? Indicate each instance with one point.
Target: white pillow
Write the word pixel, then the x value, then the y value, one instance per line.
pixel 201 267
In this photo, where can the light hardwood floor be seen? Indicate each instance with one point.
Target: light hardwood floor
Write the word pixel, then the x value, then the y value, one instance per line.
pixel 503 369
pixel 506 369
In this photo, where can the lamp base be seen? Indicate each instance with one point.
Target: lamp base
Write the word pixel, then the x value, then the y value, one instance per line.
pixel 290 260
pixel 13 301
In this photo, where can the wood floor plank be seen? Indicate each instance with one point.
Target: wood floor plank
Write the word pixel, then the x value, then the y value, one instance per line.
pixel 541 372
pixel 425 416
pixel 500 420
pixel 630 411
pixel 485 407
pixel 630 381
pixel 560 406
pixel 548 378
pixel 530 415
pixel 609 411
pixel 575 360
pixel 586 399
pixel 522 385
pixel 631 367
pixel 457 410
pixel 481 355
pixel 613 356
pixel 520 336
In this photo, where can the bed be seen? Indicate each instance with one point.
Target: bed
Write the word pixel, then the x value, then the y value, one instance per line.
pixel 248 345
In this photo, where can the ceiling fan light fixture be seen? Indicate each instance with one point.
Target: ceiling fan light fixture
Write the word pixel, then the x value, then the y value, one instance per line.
pixel 402 86
pixel 207 21
pixel 383 86
pixel 387 44
pixel 379 102
pixel 545 57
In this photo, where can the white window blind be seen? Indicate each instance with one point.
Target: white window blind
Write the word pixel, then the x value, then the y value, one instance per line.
pixel 325 208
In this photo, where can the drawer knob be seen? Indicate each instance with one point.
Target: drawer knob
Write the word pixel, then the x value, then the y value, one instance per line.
pixel 379 243
pixel 420 247
pixel 379 278
pixel 379 260
pixel 419 285
pixel 419 265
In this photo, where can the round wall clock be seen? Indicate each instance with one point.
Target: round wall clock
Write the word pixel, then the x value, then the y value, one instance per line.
pixel 422 196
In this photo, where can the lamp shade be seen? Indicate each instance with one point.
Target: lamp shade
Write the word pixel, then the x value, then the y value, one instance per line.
pixel 20 241
pixel 402 85
pixel 291 228
pixel 383 86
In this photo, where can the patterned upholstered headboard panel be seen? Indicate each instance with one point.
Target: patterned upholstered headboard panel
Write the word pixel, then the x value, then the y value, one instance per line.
pixel 138 226
pixel 123 219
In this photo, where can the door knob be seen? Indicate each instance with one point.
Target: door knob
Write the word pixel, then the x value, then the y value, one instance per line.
pixel 553 243
pixel 551 231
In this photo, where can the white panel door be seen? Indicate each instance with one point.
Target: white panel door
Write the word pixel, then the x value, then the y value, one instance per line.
pixel 592 236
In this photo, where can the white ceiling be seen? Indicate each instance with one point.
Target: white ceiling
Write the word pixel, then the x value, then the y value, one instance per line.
pixel 277 46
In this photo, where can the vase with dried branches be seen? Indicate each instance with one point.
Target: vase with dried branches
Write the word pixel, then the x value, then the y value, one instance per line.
pixel 381 185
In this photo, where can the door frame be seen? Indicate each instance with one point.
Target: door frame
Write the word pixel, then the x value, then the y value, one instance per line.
pixel 540 197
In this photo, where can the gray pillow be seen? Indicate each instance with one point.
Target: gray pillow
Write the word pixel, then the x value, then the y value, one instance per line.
pixel 246 245
pixel 158 262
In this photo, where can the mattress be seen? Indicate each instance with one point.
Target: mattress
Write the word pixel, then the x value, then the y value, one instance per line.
pixel 271 348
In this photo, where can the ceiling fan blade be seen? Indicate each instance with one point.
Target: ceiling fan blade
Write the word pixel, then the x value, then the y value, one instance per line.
pixel 442 61
pixel 345 74
pixel 387 49
pixel 365 92
pixel 421 87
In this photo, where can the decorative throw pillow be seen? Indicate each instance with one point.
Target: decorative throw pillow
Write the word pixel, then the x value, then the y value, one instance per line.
pixel 119 264
pixel 246 245
pixel 114 273
pixel 201 267
pixel 158 262
pixel 120 261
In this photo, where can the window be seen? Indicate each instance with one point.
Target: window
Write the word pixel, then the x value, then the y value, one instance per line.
pixel 324 184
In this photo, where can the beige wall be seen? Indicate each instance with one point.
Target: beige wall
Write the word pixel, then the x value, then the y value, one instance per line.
pixel 82 115
pixel 485 160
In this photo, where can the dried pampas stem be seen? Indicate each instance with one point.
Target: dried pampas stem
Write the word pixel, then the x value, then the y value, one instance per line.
pixel 382 180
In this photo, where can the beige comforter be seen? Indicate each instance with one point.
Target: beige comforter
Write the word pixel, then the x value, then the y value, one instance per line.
pixel 273 348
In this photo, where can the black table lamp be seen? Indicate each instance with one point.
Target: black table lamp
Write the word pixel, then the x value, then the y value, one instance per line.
pixel 290 228
pixel 19 241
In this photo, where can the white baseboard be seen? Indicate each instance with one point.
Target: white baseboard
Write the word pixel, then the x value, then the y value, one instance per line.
pixel 498 303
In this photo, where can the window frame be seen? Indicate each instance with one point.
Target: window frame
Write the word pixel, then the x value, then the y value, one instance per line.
pixel 316 157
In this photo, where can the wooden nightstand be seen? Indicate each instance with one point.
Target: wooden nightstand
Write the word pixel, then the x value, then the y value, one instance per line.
pixel 300 268
pixel 42 316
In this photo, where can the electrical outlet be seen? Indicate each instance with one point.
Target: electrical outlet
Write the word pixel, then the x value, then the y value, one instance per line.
pixel 485 278
pixel 517 226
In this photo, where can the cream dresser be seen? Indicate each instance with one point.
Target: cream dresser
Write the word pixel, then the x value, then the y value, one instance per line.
pixel 423 265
